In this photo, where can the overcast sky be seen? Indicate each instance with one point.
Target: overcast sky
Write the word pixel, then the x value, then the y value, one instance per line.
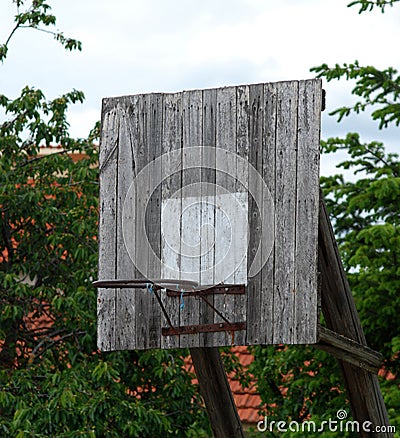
pixel 170 45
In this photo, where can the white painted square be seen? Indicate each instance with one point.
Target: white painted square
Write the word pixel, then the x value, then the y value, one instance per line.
pixel 205 238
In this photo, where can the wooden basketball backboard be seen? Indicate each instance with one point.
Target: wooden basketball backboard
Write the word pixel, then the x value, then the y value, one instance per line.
pixel 219 187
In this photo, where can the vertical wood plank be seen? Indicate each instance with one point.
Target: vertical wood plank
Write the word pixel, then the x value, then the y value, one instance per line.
pixel 285 212
pixel 141 249
pixel 306 289
pixel 242 150
pixel 171 163
pixel 153 215
pixel 256 121
pixel 226 141
pixel 125 298
pixel 108 212
pixel 268 174
pixel 148 315
pixel 191 209
pixel 208 175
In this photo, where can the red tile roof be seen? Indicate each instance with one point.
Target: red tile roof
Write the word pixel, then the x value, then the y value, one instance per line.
pixel 247 400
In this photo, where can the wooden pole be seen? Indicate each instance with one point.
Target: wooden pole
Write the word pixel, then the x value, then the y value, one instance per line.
pixel 214 388
pixel 341 316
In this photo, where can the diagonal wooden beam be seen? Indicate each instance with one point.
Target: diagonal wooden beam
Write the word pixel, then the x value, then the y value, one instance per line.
pixel 340 313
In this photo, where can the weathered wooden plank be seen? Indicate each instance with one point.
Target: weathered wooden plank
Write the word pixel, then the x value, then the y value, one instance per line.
pixel 208 175
pixel 307 197
pixel 148 317
pixel 268 175
pixel 108 211
pixel 171 165
pixel 226 142
pixel 153 215
pixel 242 150
pixel 237 205
pixel 191 208
pixel 141 248
pixel 348 350
pixel 338 305
pixel 256 122
pixel 125 298
pixel 285 212
pixel 341 316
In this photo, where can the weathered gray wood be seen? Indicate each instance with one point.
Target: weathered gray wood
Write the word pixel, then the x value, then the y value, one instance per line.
pixel 268 174
pixel 214 388
pixel 191 214
pixel 285 212
pixel 208 174
pixel 348 350
pixel 171 142
pixel 108 212
pixel 307 198
pixel 242 150
pixel 153 218
pixel 125 314
pixel 276 128
pixel 140 245
pixel 341 316
pixel 148 315
pixel 226 142
pixel 256 124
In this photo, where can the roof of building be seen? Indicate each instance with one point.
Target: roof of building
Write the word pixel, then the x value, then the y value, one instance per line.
pixel 247 400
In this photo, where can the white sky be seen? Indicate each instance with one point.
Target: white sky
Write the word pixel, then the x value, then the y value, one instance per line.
pixel 147 46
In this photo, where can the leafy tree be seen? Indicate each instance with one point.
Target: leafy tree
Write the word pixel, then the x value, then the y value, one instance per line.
pixel 298 381
pixel 369 5
pixel 37 16
pixel 53 380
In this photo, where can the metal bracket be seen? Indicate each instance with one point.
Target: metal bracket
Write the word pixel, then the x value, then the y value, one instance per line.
pixel 180 289
pixel 226 289
pixel 203 292
pixel 143 283
pixel 203 328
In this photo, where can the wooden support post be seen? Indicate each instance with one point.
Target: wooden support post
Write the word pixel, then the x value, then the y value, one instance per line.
pixel 341 316
pixel 214 388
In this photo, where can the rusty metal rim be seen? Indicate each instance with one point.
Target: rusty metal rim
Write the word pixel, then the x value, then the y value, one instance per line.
pixel 141 283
